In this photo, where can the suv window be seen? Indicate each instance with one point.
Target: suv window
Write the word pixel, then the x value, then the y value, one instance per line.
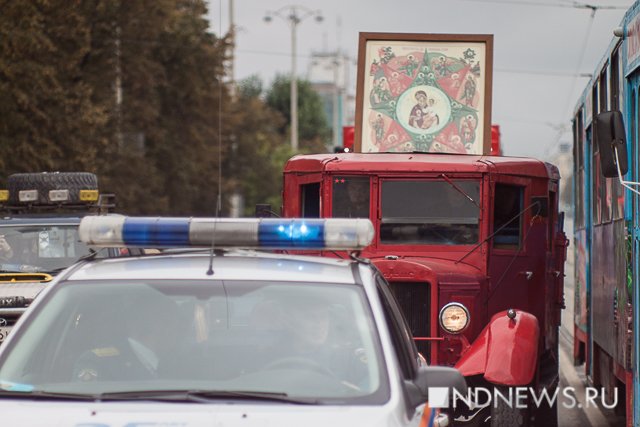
pixel 43 248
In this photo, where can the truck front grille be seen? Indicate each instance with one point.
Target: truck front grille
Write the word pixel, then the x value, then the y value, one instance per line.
pixel 415 300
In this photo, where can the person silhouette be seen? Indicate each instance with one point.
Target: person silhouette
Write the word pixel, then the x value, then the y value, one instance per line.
pixel 351 198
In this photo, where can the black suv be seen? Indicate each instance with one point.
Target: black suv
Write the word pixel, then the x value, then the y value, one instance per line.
pixel 39 218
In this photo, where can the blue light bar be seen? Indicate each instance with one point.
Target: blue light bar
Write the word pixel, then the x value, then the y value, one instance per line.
pixel 266 233
pixel 284 234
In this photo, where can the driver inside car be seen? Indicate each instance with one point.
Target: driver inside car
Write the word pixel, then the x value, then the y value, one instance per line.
pixel 311 341
pixel 6 251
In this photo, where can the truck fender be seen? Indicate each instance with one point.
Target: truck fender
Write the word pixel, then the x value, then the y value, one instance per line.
pixel 506 351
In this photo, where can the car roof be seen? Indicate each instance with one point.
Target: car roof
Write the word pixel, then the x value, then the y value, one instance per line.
pixel 232 265
pixel 39 219
pixel 47 218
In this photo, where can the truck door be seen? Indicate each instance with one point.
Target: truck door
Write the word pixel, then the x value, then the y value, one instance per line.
pixel 302 195
pixel 514 268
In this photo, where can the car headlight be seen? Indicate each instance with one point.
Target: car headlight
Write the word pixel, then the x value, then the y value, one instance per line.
pixel 454 317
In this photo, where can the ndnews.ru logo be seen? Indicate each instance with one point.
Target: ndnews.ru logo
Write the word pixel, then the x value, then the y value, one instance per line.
pixel 519 397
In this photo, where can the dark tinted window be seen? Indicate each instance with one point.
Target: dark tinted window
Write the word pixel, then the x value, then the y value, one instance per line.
pixel 507 224
pixel 310 200
pixel 351 197
pixel 430 212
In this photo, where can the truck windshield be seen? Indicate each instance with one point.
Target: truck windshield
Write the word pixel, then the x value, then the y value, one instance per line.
pixel 429 212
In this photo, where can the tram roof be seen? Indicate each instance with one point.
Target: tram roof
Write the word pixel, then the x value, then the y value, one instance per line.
pixel 421 162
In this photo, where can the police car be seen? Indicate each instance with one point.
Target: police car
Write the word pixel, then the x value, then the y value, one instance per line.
pixel 39 218
pixel 219 337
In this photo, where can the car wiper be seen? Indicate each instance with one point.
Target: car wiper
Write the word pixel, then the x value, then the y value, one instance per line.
pixel 203 396
pixel 459 190
pixel 47 394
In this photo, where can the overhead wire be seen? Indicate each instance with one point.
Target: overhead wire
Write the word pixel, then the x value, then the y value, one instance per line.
pixel 583 50
pixel 569 5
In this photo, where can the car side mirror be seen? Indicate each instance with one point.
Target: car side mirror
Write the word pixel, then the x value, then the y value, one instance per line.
pixel 263 210
pixel 610 137
pixel 439 377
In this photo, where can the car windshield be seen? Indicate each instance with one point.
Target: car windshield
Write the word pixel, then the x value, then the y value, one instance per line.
pixel 39 248
pixel 435 212
pixel 301 340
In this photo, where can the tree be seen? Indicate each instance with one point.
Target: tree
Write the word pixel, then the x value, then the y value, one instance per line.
pixel 313 127
pixel 158 73
pixel 47 118
pixel 130 90
pixel 260 151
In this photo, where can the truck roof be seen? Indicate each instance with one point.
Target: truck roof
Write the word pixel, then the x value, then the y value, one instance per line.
pixel 421 162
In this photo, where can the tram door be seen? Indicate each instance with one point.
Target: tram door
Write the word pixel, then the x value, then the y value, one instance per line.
pixel 632 120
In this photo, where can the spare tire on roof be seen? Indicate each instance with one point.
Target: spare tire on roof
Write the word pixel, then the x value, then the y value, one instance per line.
pixel 43 182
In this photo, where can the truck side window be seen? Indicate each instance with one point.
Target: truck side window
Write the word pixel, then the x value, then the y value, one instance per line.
pixel 350 197
pixel 507 206
pixel 310 200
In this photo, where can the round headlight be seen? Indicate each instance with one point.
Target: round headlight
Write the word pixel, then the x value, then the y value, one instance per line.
pixel 454 317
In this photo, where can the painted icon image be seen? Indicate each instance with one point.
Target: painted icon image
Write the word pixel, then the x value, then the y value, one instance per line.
pixel 423 96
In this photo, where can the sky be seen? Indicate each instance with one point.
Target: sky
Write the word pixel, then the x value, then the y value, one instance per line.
pixel 544 50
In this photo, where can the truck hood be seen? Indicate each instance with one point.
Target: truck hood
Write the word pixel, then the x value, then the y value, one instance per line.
pixel 155 414
pixel 434 270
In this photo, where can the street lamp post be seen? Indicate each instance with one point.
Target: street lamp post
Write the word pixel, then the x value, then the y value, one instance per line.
pixel 294 15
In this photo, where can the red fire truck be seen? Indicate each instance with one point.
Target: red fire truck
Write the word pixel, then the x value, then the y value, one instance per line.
pixel 472 246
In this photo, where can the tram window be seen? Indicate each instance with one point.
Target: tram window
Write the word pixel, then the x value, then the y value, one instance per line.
pixel 597 178
pixel 310 200
pixel 506 209
pixel 594 99
pixel 602 90
pixel 614 86
pixel 578 155
pixel 607 194
pixel 617 199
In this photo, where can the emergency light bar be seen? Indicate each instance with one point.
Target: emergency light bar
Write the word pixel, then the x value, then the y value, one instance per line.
pixel 271 233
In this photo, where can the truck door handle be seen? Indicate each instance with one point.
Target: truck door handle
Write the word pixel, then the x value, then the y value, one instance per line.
pixel 527 274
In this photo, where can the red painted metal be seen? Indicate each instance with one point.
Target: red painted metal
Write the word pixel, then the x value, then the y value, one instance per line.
pixel 485 278
pixel 506 350
pixel 496 149
pixel 347 137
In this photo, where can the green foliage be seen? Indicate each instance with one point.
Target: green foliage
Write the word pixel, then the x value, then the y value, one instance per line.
pixel 46 113
pixel 260 149
pixel 251 87
pixel 313 127
pixel 130 90
pixel 134 91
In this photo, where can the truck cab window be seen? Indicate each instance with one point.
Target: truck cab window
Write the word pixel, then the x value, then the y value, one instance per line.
pixel 351 197
pixel 507 206
pixel 430 212
pixel 310 200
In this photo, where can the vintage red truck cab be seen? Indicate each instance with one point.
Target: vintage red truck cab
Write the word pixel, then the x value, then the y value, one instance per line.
pixel 472 246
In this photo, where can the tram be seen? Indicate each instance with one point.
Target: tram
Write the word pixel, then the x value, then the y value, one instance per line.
pixel 607 221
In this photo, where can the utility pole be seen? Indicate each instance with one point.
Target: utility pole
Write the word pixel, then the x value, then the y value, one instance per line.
pixel 294 15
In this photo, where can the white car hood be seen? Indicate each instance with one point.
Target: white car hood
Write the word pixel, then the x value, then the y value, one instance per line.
pixel 117 414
